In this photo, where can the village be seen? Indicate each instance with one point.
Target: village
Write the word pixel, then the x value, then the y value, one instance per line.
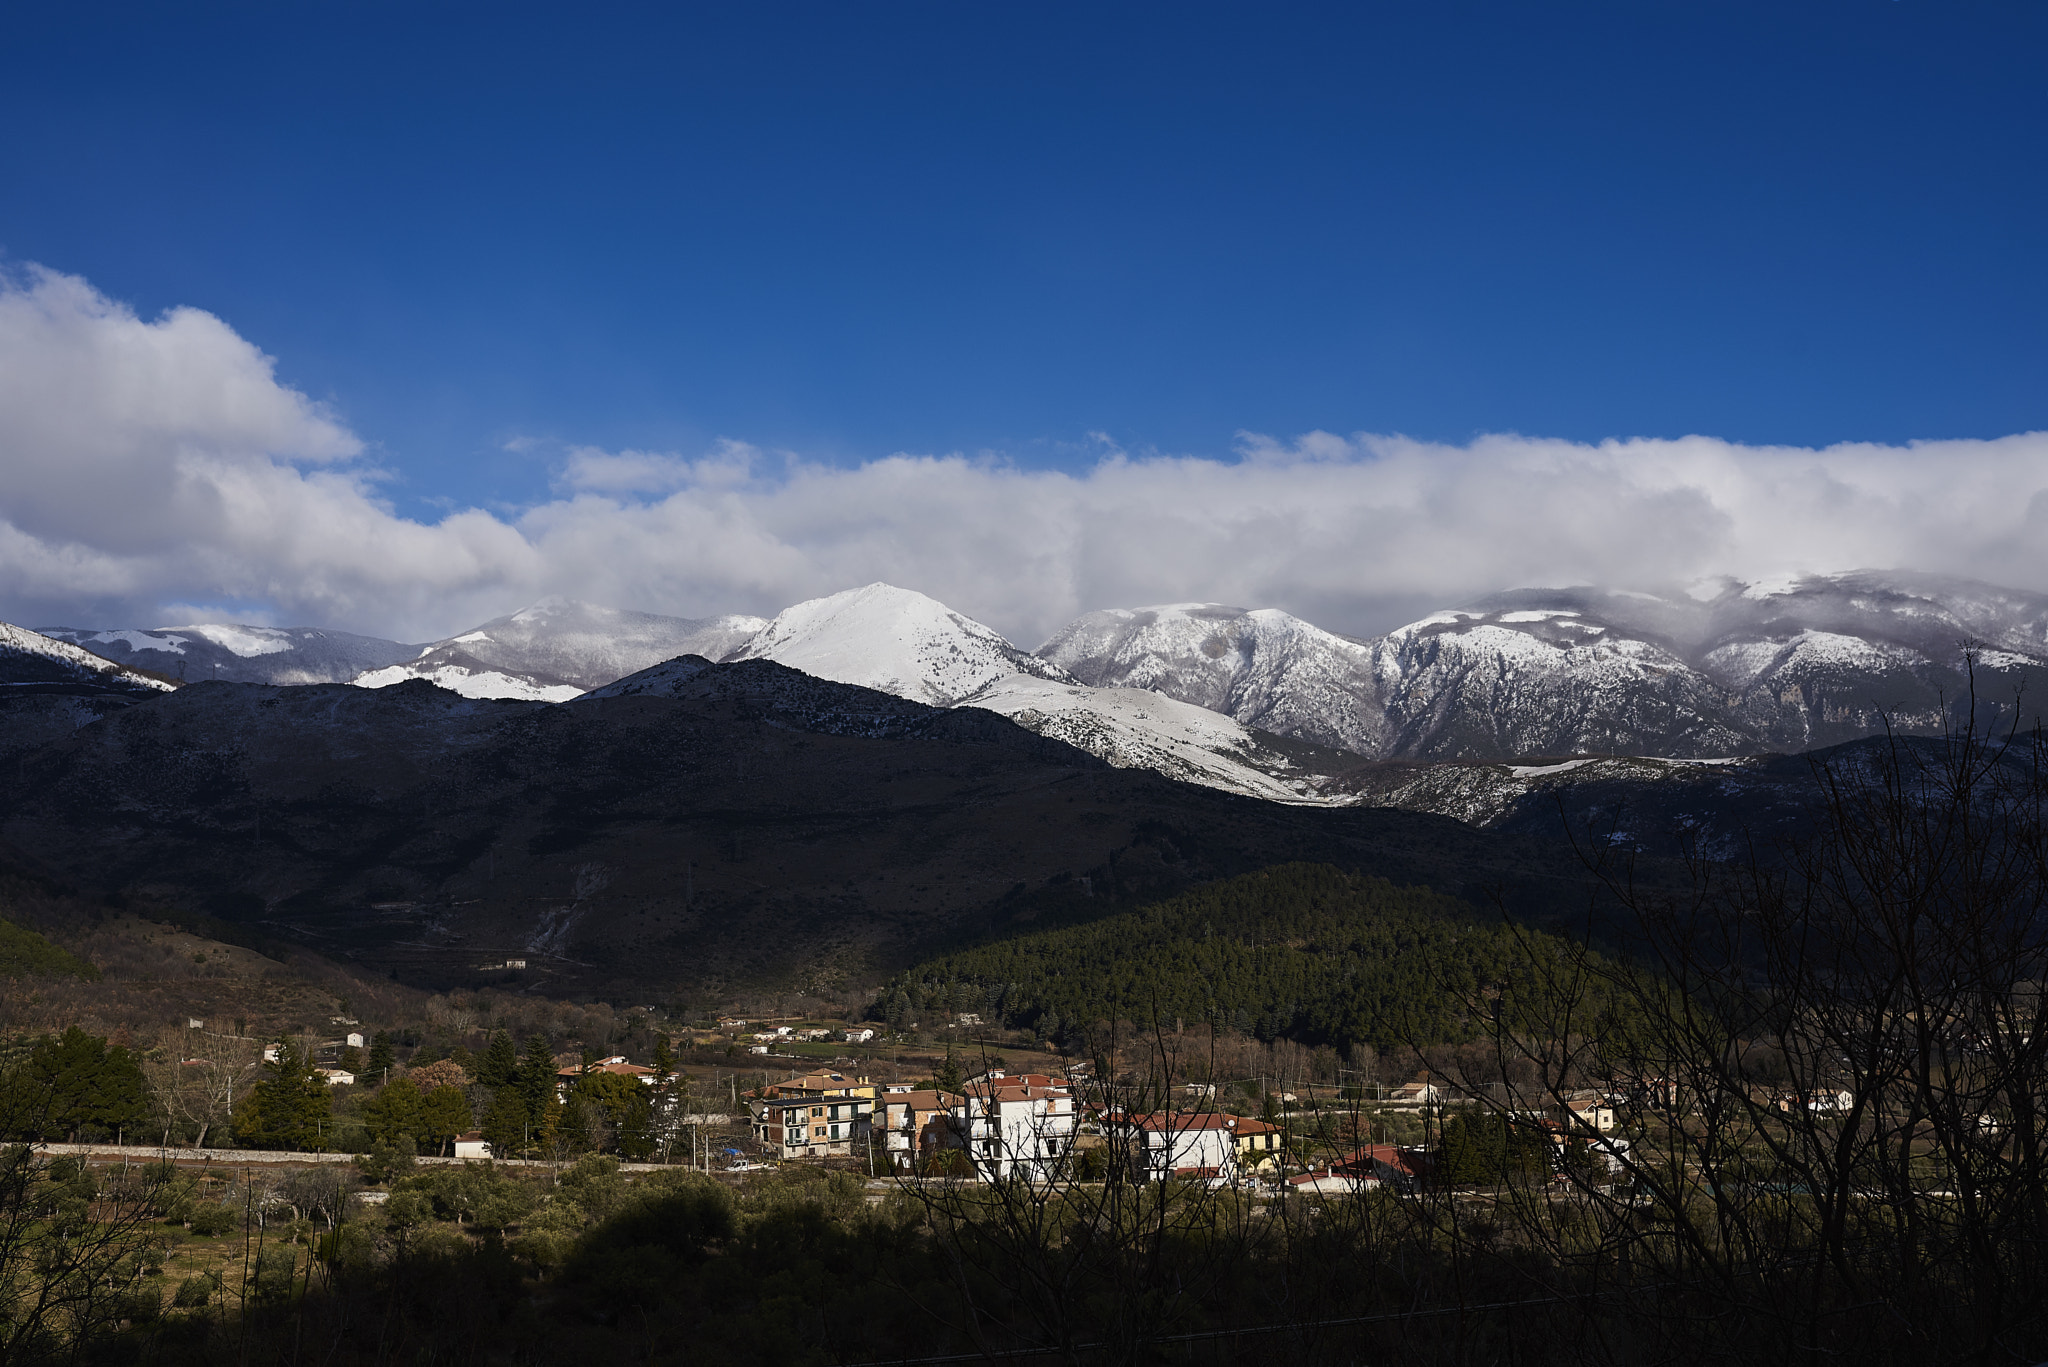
pixel 1058 1121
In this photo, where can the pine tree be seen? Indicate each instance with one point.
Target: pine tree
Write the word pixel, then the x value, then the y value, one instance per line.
pixel 536 1081
pixel 290 1108
pixel 382 1059
pixel 506 1123
pixel 395 1112
pixel 444 1113
pixel 949 1073
pixel 499 1064
pixel 75 1083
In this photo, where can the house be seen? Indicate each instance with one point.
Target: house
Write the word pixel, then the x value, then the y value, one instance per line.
pixel 337 1077
pixel 1201 1091
pixel 1591 1110
pixel 757 1048
pixel 1258 1143
pixel 1017 1125
pixel 194 1023
pixel 471 1145
pixel 916 1125
pixel 816 1115
pixel 1388 1165
pixel 1329 1181
pixel 353 1039
pixel 967 1018
pixel 859 1034
pixel 731 1023
pixel 1826 1101
pixel 565 1078
pixel 1164 1144
pixel 1416 1094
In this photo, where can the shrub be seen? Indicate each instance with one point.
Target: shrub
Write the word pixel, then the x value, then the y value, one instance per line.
pixel 142 1304
pixel 275 1269
pixel 193 1293
pixel 211 1217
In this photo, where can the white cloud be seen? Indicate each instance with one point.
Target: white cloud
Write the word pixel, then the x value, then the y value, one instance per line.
pixel 145 463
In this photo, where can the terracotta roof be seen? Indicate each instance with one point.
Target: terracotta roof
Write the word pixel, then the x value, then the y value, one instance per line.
pixel 608 1066
pixel 922 1101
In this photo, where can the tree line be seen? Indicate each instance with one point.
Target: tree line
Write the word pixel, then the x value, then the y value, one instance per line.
pixel 78 1087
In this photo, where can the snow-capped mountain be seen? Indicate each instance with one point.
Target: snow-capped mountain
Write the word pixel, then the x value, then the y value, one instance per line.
pixel 902 642
pixel 895 640
pixel 32 660
pixel 1729 668
pixel 240 654
pixel 1264 668
pixel 559 649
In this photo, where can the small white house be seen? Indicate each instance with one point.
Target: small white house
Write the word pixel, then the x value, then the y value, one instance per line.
pixel 471 1145
pixel 757 1048
pixel 1166 1144
pixel 353 1039
pixel 860 1034
pixel 337 1077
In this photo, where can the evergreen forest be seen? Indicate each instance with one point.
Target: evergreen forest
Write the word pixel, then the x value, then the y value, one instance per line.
pixel 1305 952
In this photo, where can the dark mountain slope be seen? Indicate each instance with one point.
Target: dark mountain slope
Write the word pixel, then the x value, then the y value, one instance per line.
pixel 693 824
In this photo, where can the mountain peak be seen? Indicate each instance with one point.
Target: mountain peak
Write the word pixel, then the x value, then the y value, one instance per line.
pixel 893 639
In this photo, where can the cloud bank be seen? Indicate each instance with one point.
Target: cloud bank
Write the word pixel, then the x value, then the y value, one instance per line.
pixel 146 466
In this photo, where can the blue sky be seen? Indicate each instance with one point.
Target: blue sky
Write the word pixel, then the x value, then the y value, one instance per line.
pixel 853 230
pixel 486 236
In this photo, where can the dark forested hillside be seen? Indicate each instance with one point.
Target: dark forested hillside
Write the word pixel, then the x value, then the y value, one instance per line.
pixel 1304 951
pixel 746 824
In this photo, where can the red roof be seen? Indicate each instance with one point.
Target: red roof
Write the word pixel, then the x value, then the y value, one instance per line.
pixel 1363 1161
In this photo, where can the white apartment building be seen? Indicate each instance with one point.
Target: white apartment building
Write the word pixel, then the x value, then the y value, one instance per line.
pixel 1017 1125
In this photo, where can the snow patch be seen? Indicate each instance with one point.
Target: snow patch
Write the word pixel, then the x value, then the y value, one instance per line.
pixel 138 640
pixel 470 683
pixel 246 642
pixel 1537 770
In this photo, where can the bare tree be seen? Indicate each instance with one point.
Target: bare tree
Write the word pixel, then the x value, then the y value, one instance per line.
pixel 1828 1066
pixel 196 1077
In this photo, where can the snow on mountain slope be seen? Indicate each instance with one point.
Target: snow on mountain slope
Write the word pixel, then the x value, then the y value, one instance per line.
pixel 1264 668
pixel 30 659
pixel 1133 728
pixel 1494 685
pixel 895 640
pixel 241 654
pixel 559 648
pixel 1726 668
pixel 459 673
